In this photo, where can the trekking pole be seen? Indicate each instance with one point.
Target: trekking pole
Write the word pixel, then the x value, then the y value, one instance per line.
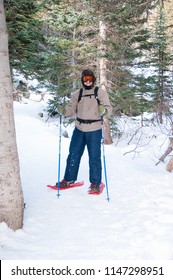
pixel 59 154
pixel 104 162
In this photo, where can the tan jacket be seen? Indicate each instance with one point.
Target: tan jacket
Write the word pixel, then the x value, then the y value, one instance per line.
pixel 87 109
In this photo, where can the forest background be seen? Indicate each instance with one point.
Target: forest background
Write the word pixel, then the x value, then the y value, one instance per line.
pixel 127 43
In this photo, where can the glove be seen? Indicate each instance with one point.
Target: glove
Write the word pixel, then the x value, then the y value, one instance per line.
pixel 102 110
pixel 60 109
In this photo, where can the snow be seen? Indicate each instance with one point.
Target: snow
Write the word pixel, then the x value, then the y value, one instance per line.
pixel 137 222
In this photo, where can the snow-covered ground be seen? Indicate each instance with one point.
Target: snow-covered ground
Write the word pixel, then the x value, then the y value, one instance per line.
pixel 137 222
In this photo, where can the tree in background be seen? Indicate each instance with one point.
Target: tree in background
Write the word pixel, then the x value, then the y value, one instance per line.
pixel 27 47
pixel 161 61
pixel 11 195
pixel 55 40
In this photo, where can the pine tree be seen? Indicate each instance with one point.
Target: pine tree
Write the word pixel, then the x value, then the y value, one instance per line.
pixel 161 60
pixel 26 41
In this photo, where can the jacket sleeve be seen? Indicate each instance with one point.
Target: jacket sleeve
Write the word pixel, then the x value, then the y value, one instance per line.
pixel 104 100
pixel 71 107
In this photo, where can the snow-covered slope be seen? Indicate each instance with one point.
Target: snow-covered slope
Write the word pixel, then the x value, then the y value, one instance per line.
pixel 136 224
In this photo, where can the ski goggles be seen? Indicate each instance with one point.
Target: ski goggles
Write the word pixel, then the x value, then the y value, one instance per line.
pixel 88 79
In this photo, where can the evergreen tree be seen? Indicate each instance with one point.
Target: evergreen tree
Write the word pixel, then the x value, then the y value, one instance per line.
pixel 161 59
pixel 57 39
pixel 71 35
pixel 127 45
pixel 26 43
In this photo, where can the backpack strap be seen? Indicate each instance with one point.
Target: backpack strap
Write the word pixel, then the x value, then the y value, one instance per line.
pixel 80 94
pixel 95 94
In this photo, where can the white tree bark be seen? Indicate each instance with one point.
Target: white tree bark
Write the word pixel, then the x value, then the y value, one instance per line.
pixel 102 59
pixel 103 76
pixel 11 194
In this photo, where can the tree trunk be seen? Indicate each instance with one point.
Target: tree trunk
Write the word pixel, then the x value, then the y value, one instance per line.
pixel 102 59
pixel 103 77
pixel 73 59
pixel 11 195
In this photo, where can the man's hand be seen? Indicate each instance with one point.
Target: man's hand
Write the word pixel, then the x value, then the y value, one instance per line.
pixel 102 110
pixel 61 109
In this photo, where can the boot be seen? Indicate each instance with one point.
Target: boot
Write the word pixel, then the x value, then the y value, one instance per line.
pixel 64 183
pixel 95 187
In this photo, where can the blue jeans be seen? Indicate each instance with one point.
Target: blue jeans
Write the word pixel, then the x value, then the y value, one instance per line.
pixel 80 139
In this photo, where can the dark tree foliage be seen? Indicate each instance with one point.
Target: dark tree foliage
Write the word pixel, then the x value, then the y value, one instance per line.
pixel 54 40
pixel 25 35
